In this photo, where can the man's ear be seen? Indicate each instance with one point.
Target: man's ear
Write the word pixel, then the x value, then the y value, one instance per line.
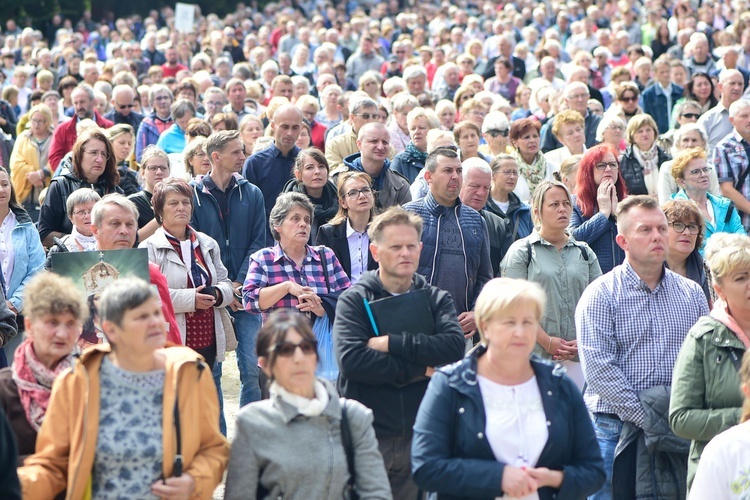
pixel 374 252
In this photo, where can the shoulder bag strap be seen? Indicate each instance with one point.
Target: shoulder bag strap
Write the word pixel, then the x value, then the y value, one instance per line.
pixel 322 255
pixel 346 440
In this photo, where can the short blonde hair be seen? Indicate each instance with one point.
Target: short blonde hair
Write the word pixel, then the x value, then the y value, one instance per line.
pixel 567 117
pixel 639 121
pixel 49 293
pixel 502 295
pixel 726 252
pixel 683 160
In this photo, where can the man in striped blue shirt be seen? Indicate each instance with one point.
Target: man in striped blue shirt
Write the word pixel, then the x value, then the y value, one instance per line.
pixel 631 323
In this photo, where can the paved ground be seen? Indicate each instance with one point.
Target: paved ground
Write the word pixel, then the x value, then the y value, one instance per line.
pixel 230 384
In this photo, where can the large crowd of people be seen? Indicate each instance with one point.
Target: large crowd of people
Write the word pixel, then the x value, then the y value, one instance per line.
pixel 474 250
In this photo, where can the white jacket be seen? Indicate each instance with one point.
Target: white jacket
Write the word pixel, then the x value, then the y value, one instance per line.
pixel 161 252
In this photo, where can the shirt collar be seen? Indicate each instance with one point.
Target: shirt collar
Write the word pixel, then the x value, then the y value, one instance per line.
pixel 350 230
pixel 278 254
pixel 632 277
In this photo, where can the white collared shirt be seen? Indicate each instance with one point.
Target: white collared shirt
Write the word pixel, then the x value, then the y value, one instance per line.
pixel 358 256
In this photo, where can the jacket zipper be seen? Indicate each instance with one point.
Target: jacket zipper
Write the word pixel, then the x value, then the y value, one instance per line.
pixel 437 244
pixel 466 263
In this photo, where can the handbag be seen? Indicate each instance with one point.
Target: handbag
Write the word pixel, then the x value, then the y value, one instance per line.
pixel 346 440
pixel 230 332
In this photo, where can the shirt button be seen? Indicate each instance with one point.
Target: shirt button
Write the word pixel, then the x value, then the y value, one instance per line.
pixel 461 411
pixel 549 393
pixel 549 423
pixel 480 436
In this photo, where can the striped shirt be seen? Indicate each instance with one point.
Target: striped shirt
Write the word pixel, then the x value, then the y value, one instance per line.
pixel 629 336
pixel 270 266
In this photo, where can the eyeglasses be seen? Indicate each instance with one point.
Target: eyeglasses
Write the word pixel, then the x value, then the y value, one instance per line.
pixel 629 99
pixel 693 116
pixel 510 173
pixel 82 213
pixel 162 98
pixel 34 121
pixel 214 104
pixel 495 133
pixel 604 166
pixel 615 126
pixel 126 106
pixel 287 349
pixel 679 227
pixel 476 113
pixel 163 168
pixel 354 193
pixel 367 116
pixel 698 171
pixel 96 154
pixel 578 97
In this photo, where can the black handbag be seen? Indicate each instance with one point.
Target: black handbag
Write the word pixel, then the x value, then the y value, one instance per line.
pixel 346 439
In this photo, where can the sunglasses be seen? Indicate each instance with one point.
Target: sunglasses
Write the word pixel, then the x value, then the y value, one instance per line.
pixel 367 116
pixel 495 133
pixel 629 99
pixel 694 116
pixel 287 349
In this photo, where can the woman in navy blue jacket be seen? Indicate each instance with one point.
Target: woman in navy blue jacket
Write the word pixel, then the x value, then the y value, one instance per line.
pixel 501 422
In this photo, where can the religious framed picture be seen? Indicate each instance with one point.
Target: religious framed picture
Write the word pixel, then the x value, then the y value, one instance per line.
pixel 92 272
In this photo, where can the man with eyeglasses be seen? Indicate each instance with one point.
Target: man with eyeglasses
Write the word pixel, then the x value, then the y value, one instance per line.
pixel 715 122
pixel 455 253
pixel 65 134
pixel 230 210
pixel 576 95
pixel 123 102
pixel 214 100
pixel 631 323
pixel 373 141
pixel 362 110
pixel 659 98
pixel 388 371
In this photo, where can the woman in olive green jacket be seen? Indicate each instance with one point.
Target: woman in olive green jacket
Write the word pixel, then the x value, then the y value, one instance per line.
pixel 706 397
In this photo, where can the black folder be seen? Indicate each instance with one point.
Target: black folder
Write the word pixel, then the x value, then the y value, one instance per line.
pixel 403 314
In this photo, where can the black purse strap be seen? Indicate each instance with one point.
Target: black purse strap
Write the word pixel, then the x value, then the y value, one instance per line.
pixel 346 439
pixel 322 255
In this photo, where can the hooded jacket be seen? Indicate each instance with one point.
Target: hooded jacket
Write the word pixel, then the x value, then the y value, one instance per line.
pixel 239 237
pixel 66 444
pixel 474 239
pixel 53 215
pixel 452 456
pixel 392 384
pixel 391 188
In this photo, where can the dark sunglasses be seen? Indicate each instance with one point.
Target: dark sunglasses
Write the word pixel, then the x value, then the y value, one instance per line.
pixel 495 133
pixel 694 116
pixel 629 99
pixel 286 349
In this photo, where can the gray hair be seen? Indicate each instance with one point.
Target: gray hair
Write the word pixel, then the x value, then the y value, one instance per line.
pixel 435 135
pixel 414 71
pixel 284 204
pixel 403 100
pixel 607 120
pixel 181 107
pixel 158 88
pixel 738 106
pixel 393 83
pixel 470 164
pixel 495 120
pixel 79 197
pixel 116 199
pixel 432 118
pixel 689 127
pixel 86 88
pixel 356 105
pixel 121 296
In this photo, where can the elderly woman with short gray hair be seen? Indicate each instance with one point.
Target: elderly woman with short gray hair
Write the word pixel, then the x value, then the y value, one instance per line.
pixel 403 103
pixel 292 273
pixel 78 206
pixel 410 161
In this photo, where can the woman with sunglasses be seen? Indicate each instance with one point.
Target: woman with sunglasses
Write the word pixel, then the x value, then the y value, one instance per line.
pixel 693 176
pixel 684 113
pixel 626 101
pixel 495 131
pixel 309 425
pixel 599 188
pixel 93 166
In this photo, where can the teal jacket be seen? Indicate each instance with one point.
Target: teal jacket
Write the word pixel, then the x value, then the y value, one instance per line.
pixel 706 397
pixel 726 217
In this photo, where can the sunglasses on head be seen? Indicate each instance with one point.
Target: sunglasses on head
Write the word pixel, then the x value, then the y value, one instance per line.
pixel 286 349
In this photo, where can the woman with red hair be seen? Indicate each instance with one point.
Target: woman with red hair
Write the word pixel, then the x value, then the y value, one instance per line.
pixel 599 188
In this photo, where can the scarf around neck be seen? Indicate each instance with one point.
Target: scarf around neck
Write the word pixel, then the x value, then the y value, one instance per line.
pixel 648 159
pixel 414 154
pixel 34 381
pixel 307 407
pixel 534 173
pixel 85 243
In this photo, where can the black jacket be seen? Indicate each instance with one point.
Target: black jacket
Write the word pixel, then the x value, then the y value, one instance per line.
pixel 53 215
pixel 377 379
pixel 632 171
pixel 501 238
pixel 128 180
pixel 10 488
pixel 334 237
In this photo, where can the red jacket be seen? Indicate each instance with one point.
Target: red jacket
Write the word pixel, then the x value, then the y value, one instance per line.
pixel 65 136
pixel 318 135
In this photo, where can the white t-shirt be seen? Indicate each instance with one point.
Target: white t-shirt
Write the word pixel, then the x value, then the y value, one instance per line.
pixel 516 423
pixel 724 468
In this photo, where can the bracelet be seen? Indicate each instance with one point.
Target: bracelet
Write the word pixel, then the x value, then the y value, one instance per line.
pixel 549 346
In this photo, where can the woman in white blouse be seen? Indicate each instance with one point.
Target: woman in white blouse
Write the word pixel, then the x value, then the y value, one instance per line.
pixel 502 422
pixel 346 233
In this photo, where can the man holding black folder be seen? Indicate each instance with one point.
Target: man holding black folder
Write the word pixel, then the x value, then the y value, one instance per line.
pixel 392 330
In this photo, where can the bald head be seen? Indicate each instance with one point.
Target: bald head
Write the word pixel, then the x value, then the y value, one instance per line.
pixel 286 125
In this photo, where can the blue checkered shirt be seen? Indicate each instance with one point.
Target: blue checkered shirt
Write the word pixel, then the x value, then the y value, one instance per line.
pixel 629 336
pixel 270 266
pixel 730 161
